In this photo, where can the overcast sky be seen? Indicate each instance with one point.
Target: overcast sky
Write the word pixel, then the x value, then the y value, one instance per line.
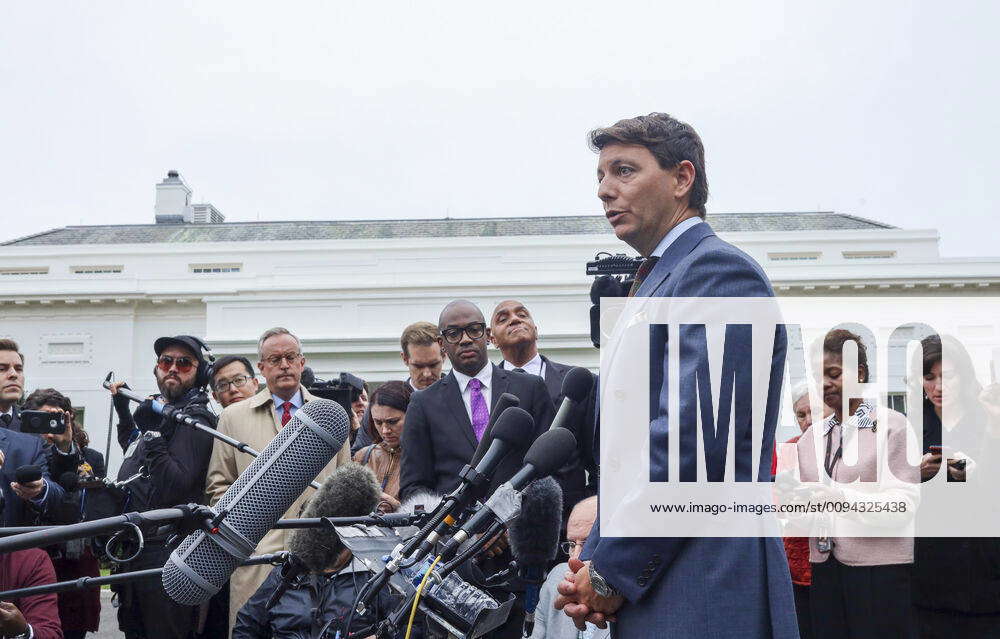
pixel 327 110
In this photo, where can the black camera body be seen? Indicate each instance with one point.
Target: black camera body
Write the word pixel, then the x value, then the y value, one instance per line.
pixel 42 422
pixel 344 390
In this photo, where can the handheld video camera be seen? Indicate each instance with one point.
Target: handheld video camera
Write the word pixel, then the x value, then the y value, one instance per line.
pixel 344 390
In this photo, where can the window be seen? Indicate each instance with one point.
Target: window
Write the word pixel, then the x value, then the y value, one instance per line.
pixel 95 270
pixel 794 257
pixel 25 270
pixel 897 402
pixel 216 268
pixel 78 413
pixel 869 255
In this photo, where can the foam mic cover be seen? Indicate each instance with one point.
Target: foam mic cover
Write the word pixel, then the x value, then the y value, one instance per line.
pixel 351 491
pixel 534 535
pixel 27 474
pixel 577 384
pixel 202 563
pixel 606 286
pixel 425 501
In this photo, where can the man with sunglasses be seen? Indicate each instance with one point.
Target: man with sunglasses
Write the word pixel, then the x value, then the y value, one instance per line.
pixel 173 462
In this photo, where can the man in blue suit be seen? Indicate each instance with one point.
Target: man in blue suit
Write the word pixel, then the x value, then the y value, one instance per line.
pixel 651 179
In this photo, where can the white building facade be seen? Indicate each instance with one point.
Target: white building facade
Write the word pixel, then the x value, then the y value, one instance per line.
pixel 83 301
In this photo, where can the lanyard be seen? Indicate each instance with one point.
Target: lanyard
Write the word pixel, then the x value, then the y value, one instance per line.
pixel 829 463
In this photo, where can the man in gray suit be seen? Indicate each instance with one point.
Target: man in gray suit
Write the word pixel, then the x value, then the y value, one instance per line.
pixel 651 179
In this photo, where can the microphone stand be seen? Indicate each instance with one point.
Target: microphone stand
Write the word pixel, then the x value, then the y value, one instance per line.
pixel 82 583
pixel 391 520
pixel 167 411
pixel 56 534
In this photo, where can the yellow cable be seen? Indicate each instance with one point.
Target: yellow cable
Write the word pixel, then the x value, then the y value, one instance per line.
pixel 416 600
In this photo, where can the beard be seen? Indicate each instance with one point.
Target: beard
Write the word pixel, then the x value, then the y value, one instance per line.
pixel 172 392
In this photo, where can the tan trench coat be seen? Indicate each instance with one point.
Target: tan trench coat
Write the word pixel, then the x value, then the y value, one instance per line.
pixel 253 421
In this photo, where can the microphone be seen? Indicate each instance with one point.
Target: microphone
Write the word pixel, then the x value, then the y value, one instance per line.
pixel 534 539
pixel 27 474
pixel 351 491
pixel 505 401
pixel 514 426
pixel 203 562
pixel 576 387
pixel 547 454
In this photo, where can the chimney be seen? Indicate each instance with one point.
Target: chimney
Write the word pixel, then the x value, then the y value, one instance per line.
pixel 173 204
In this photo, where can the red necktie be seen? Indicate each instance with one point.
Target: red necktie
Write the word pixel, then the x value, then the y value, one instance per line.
pixel 287 415
pixel 641 274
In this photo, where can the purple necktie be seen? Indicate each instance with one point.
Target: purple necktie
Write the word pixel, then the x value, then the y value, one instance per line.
pixel 480 413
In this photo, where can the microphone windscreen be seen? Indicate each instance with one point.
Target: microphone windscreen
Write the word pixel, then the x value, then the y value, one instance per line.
pixel 262 493
pixel 515 427
pixel 551 451
pixel 535 534
pixel 351 491
pixel 577 384
pixel 308 377
pixel 428 500
pixel 69 480
pixel 27 474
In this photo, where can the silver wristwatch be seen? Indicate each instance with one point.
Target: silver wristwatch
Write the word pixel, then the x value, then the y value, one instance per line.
pixel 149 435
pixel 27 634
pixel 599 584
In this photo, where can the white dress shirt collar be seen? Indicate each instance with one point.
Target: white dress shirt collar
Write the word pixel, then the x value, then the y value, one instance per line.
pixel 534 366
pixel 673 234
pixel 296 401
pixel 485 376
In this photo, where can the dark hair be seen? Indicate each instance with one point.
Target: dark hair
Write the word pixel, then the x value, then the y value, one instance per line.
pixel 392 394
pixel 834 342
pixel 933 347
pixel 226 360
pixel 51 397
pixel 669 140
pixel 10 345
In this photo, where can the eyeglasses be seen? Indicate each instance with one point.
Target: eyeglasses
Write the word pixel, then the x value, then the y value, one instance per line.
pixel 275 360
pixel 236 382
pixel 568 546
pixel 453 335
pixel 183 364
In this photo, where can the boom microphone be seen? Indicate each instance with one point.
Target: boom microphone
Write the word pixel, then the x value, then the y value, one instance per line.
pixel 534 539
pixel 549 452
pixel 203 562
pixel 27 474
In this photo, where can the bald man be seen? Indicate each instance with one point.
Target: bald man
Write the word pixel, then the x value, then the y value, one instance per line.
pixel 445 422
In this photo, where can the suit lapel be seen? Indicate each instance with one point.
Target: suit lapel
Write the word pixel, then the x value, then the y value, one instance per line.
pixel 677 251
pixel 453 400
pixel 500 382
pixel 553 378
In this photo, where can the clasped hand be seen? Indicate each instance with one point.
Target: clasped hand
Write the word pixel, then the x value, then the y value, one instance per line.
pixel 579 601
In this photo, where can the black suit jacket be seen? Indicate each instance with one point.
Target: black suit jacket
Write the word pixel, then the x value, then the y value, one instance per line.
pixel 438 440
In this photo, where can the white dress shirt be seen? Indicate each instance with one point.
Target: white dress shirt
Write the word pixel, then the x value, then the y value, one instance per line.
pixel 536 366
pixel 485 376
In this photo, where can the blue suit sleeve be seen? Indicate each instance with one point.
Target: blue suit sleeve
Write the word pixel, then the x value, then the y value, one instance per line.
pixel 634 566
